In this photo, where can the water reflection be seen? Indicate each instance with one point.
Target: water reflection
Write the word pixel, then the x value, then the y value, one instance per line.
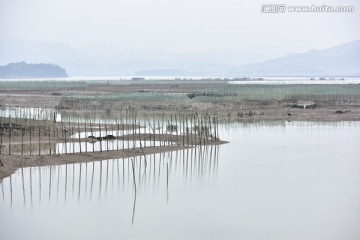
pixel 103 180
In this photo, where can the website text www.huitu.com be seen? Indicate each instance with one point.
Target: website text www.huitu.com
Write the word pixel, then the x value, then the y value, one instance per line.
pixel 283 8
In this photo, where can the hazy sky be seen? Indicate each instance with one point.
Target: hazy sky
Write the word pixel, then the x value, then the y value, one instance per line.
pixel 180 25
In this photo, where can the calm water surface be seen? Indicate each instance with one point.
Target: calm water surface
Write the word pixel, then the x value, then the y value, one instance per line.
pixel 272 181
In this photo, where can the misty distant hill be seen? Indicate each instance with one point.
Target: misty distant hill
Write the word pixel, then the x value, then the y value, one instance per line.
pixel 109 60
pixel 24 70
pixel 342 60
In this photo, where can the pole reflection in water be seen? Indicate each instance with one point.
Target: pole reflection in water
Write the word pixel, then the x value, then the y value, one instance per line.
pixel 2 191
pixel 109 179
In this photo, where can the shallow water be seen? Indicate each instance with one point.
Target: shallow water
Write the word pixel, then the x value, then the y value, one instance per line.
pixel 272 181
pixel 29 113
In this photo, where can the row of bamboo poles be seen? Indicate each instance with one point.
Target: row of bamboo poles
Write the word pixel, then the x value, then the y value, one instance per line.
pixel 34 134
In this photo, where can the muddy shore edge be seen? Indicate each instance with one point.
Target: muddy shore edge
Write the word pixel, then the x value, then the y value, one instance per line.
pixel 11 163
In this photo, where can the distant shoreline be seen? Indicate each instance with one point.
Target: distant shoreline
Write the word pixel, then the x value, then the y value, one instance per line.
pixel 187 78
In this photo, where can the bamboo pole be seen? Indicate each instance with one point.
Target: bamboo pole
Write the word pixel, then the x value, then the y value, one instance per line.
pixel 65 132
pixel 39 139
pixel 117 134
pixel 49 141
pixel 107 141
pixel 1 137
pixel 86 150
pixel 9 135
pixel 72 140
pixel 79 134
pixel 100 137
pixel 30 140
pixel 92 134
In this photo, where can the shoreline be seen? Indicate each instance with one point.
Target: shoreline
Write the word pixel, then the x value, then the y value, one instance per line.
pixel 14 162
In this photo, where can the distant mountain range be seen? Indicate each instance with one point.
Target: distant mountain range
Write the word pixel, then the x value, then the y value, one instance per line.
pixel 25 70
pixel 109 60
pixel 342 60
